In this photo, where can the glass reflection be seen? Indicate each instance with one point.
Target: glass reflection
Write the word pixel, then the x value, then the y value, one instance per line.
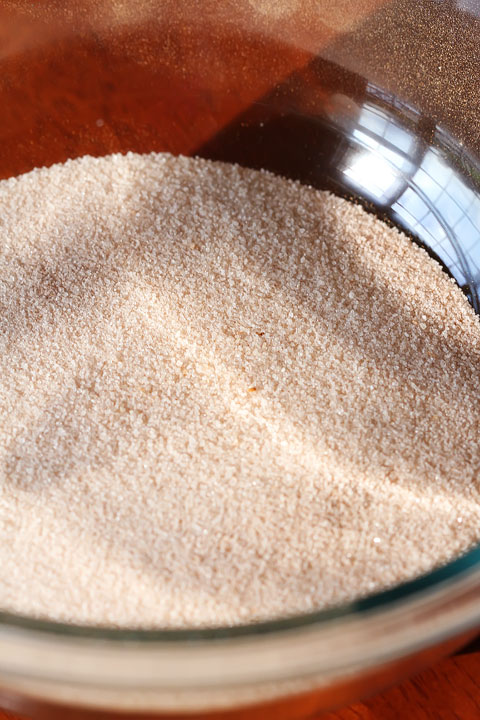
pixel 389 163
pixel 330 128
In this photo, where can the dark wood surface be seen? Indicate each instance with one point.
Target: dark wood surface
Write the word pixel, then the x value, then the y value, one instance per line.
pixel 448 691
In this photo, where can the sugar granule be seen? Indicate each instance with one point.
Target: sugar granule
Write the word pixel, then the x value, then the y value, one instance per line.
pixel 224 396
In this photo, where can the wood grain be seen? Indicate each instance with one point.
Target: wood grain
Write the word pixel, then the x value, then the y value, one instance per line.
pixel 448 691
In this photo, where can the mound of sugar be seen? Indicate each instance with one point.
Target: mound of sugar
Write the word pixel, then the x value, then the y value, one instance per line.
pixel 224 396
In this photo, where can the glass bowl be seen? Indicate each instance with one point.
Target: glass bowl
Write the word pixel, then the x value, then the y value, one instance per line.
pixel 378 101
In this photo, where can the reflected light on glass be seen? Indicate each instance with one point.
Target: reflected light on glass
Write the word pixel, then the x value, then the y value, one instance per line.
pixel 389 162
pixel 373 172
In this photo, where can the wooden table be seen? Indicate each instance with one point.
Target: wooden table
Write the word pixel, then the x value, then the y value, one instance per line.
pixel 448 691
